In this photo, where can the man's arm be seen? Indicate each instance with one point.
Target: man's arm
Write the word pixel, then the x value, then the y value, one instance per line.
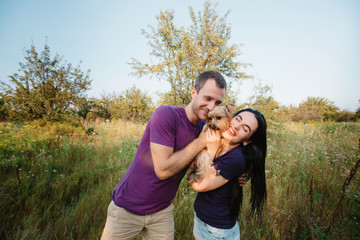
pixel 167 162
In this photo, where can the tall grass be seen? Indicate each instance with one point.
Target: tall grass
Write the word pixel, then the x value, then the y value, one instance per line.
pixel 56 181
pixel 306 167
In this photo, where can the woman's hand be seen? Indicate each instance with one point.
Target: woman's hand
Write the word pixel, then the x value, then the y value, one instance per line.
pixel 213 141
pixel 243 179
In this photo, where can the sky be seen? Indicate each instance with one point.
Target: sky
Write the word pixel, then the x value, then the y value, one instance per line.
pixel 299 48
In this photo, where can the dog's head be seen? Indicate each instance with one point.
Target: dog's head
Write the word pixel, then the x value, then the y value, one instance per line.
pixel 219 118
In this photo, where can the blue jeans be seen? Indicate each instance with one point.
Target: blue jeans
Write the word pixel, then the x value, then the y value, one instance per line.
pixel 203 231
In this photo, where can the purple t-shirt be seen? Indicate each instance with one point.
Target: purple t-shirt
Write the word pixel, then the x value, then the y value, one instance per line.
pixel 213 207
pixel 140 191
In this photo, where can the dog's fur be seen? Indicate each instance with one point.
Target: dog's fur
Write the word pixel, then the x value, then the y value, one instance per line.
pixel 219 119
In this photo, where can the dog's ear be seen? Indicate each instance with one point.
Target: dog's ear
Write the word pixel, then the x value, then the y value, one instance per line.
pixel 230 107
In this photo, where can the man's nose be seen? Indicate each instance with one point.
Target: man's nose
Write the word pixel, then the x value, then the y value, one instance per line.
pixel 211 106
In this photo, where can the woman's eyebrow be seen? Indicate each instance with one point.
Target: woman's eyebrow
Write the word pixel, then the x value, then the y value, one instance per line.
pixel 245 124
pixel 248 127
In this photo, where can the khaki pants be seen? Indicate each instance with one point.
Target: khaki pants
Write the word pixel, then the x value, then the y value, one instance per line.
pixel 121 224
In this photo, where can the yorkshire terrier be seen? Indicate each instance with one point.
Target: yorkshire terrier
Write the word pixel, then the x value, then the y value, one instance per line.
pixel 218 120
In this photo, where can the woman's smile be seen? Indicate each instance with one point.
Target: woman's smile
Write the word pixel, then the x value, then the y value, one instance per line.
pixel 231 131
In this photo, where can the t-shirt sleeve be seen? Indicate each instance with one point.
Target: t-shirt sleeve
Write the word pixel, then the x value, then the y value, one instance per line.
pixel 232 165
pixel 163 126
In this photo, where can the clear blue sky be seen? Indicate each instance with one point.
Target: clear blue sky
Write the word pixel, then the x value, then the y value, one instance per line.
pixel 300 48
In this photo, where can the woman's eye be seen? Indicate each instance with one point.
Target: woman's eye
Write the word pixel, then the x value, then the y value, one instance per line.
pixel 218 118
pixel 245 129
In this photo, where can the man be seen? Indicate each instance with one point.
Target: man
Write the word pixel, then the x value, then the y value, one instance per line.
pixel 141 202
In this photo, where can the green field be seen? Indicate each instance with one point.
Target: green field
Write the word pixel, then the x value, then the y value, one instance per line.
pixel 56 181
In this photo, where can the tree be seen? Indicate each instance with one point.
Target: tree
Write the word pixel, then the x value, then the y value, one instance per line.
pixel 4 108
pixel 263 101
pixel 183 54
pixel 133 105
pixel 101 108
pixel 317 108
pixel 85 106
pixel 45 87
pixel 346 116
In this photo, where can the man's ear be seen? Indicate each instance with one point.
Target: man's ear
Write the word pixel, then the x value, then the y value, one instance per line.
pixel 193 92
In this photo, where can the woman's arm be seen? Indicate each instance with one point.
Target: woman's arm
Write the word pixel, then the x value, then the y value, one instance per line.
pixel 209 183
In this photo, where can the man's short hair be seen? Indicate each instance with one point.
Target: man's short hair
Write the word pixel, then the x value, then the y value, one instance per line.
pixel 203 77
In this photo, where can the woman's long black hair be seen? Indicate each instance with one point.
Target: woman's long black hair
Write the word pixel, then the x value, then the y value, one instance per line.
pixel 254 154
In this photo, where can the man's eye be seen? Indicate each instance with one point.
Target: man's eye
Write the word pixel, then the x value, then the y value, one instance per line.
pixel 218 118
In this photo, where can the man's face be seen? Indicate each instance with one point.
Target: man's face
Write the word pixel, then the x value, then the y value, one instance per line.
pixel 209 96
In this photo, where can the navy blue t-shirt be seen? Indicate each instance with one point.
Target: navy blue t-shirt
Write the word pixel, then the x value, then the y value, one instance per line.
pixel 213 207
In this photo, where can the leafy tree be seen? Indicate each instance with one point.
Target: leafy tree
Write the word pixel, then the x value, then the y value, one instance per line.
pixel 4 111
pixel 133 105
pixel 183 54
pixel 102 107
pixel 130 105
pixel 85 106
pixel 263 100
pixel 346 116
pixel 45 87
pixel 317 108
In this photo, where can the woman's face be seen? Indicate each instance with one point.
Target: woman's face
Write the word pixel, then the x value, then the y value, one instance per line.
pixel 242 126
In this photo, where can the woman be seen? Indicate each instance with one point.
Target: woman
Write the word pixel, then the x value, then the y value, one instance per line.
pixel 241 150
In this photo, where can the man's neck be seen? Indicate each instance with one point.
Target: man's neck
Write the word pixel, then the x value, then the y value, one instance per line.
pixel 191 115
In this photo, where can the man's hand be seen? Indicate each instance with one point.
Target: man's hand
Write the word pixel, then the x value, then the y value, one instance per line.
pixel 243 179
pixel 202 139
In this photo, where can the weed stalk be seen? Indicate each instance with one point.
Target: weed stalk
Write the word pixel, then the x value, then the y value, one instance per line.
pixel 345 185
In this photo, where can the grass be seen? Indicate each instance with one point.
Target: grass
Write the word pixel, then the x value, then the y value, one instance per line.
pixel 56 181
